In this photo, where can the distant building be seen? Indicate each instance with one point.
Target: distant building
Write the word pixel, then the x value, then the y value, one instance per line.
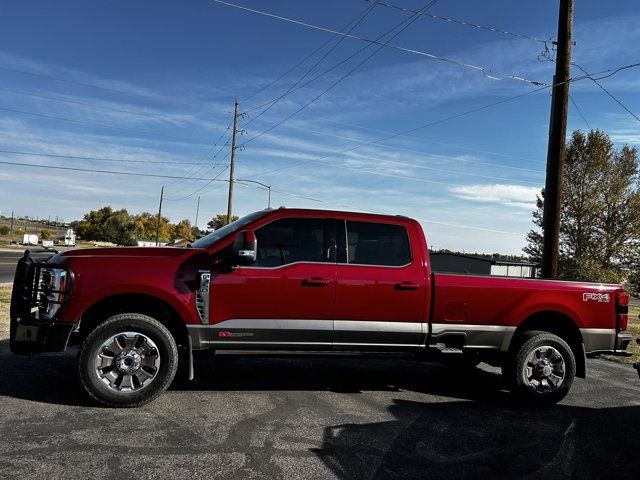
pixel 462 263
pixel 180 242
pixel 151 243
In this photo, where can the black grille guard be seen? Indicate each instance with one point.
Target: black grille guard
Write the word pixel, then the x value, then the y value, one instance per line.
pixel 27 287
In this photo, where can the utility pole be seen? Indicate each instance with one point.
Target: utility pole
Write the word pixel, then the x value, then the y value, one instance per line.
pixel 159 214
pixel 11 227
pixel 233 159
pixel 197 211
pixel 557 139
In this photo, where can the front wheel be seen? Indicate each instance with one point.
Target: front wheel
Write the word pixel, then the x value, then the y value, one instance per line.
pixel 541 370
pixel 127 361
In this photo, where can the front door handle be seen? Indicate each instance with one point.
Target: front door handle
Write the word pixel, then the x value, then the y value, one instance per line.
pixel 315 282
pixel 407 286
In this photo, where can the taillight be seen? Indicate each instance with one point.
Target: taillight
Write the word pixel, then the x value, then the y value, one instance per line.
pixel 622 312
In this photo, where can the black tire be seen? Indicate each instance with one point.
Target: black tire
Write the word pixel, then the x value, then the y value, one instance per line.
pixel 163 353
pixel 533 389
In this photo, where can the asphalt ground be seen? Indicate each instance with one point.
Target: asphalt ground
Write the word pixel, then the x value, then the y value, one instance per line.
pixel 311 417
pixel 8 260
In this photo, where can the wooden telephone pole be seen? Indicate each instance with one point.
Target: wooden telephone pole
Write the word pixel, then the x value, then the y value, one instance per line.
pixel 233 160
pixel 557 140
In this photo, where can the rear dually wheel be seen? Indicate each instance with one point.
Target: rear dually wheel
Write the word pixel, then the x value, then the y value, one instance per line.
pixel 541 369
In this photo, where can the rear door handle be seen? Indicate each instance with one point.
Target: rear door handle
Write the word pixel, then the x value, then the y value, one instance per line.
pixel 315 282
pixel 407 286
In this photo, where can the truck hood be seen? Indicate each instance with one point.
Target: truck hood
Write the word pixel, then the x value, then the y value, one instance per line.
pixel 123 252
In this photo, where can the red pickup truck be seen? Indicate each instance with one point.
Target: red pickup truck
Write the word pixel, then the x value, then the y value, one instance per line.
pixel 293 279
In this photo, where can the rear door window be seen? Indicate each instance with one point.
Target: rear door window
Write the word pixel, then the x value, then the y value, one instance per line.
pixel 291 240
pixel 377 244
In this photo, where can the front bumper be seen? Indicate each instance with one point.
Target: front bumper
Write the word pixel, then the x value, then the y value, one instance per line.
pixel 31 333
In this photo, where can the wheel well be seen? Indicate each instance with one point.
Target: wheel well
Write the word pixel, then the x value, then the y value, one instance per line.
pixel 561 325
pixel 134 303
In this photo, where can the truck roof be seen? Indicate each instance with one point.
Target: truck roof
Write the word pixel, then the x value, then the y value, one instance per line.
pixel 303 211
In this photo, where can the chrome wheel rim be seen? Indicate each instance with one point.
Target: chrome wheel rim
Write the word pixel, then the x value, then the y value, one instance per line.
pixel 544 371
pixel 127 361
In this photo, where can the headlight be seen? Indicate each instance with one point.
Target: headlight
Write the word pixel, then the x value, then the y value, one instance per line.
pixel 53 289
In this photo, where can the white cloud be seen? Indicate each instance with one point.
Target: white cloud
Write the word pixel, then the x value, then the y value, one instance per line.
pixel 510 195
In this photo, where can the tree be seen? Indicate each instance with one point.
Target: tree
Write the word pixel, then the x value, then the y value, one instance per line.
pixel 220 220
pixel 45 234
pixel 106 225
pixel 197 233
pixel 4 230
pixel 182 230
pixel 600 210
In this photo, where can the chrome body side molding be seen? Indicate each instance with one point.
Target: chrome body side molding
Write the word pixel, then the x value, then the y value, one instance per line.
pixel 492 337
pixel 348 334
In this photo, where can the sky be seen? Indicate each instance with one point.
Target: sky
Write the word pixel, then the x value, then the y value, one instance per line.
pixel 147 87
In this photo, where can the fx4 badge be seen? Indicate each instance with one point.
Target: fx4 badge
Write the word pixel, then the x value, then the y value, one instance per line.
pixel 596 297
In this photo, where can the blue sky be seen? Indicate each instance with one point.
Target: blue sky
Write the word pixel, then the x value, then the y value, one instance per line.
pixel 168 73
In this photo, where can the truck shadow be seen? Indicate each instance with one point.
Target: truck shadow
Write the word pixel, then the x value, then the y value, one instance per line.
pixel 51 378
pixel 473 430
pixel 470 440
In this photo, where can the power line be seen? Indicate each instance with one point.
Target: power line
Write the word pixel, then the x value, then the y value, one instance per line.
pixel 211 180
pixel 611 95
pixel 485 71
pixel 388 132
pixel 436 155
pixel 74 82
pixel 97 159
pixel 609 72
pixel 195 178
pixel 202 167
pixel 93 170
pixel 202 161
pixel 260 90
pixel 407 23
pixel 584 119
pixel 389 137
pixel 395 175
pixel 355 23
pixel 101 125
pixel 322 74
pixel 464 23
pixel 100 87
pixel 318 200
pixel 91 105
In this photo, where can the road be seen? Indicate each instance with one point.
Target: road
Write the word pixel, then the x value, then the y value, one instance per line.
pixel 8 260
pixel 308 417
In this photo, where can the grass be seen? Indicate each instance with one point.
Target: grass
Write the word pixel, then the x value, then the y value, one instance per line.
pixel 5 300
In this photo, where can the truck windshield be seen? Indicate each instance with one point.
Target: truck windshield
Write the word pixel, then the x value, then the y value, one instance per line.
pixel 213 237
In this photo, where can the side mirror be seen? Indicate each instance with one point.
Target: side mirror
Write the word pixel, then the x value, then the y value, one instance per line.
pixel 245 248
